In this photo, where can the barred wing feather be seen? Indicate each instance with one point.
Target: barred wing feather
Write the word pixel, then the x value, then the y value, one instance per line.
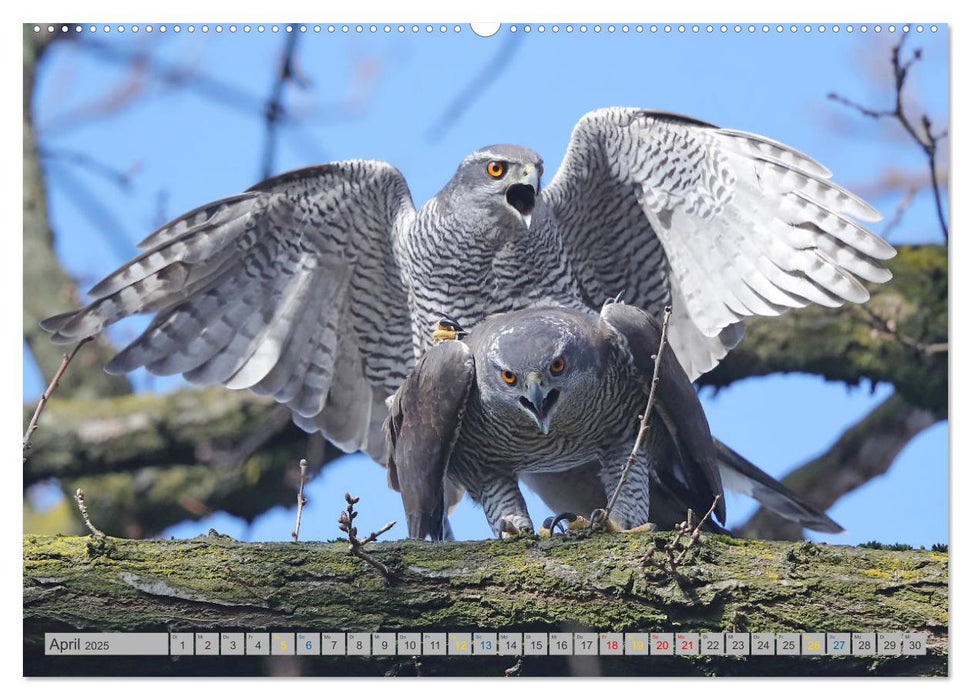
pixel 721 223
pixel 290 289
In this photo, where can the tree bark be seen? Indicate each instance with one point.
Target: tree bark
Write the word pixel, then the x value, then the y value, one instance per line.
pixel 56 291
pixel 599 583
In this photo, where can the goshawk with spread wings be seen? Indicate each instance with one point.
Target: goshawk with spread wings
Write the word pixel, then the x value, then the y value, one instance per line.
pixel 320 286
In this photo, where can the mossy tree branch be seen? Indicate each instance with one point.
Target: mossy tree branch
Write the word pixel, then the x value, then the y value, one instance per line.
pixel 149 461
pixel 599 583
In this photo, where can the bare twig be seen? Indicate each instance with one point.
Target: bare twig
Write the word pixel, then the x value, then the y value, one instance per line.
pixel 476 87
pixel 695 533
pixel 356 547
pixel 898 215
pixel 124 180
pixel 888 329
pixel 642 433
pixel 275 423
pixel 301 501
pixel 45 397
pixel 79 498
pixel 275 111
pixel 924 137
pixel 675 551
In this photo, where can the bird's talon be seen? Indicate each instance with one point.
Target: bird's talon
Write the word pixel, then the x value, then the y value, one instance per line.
pixel 597 519
pixel 447 328
pixel 514 525
pixel 566 522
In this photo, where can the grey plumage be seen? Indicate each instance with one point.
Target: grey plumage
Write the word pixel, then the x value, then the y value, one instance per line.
pixel 319 287
pixel 538 393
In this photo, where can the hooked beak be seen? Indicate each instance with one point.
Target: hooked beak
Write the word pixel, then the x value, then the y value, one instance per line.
pixel 522 196
pixel 538 402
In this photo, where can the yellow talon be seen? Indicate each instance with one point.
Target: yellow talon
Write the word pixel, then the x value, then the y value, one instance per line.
pixel 447 329
pixel 441 333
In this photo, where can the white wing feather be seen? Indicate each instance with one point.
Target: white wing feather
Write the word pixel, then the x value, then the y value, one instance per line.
pixel 748 225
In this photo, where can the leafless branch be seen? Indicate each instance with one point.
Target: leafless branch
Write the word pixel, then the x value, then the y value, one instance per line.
pixel 45 397
pixel 117 98
pixel 79 499
pixel 902 206
pixel 275 112
pixel 122 178
pixel 476 86
pixel 272 426
pixel 923 137
pixel 173 75
pixel 645 418
pixel 94 208
pixel 356 546
pixel 889 329
pixel 862 453
pixel 675 551
pixel 301 501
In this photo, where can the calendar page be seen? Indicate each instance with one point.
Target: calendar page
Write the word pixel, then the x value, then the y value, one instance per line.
pixel 515 349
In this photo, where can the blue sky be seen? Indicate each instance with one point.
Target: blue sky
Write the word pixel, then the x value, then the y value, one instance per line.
pixel 385 96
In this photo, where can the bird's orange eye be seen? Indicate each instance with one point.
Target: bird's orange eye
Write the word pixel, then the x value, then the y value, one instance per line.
pixel 508 377
pixel 496 169
pixel 557 365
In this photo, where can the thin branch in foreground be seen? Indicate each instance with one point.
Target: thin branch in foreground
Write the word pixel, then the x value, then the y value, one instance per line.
pixel 926 139
pixel 642 433
pixel 79 498
pixel 356 547
pixel 45 397
pixel 301 501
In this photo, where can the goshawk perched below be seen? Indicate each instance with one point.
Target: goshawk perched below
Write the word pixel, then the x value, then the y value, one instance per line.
pixel 535 393
pixel 319 286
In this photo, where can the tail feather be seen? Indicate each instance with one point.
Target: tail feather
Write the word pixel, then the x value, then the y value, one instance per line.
pixel 741 476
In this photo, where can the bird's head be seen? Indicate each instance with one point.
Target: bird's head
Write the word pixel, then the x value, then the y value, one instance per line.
pixel 502 180
pixel 539 368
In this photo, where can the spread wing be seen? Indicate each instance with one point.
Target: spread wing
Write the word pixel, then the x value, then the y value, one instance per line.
pixel 693 476
pixel 290 289
pixel 424 421
pixel 722 224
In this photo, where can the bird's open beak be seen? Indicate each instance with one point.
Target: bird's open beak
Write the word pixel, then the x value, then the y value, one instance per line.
pixel 538 402
pixel 522 196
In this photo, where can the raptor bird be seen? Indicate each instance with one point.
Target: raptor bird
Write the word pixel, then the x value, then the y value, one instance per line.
pixel 533 393
pixel 319 286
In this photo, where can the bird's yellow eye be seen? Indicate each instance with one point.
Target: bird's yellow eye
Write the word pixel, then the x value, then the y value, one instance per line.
pixel 496 169
pixel 508 377
pixel 557 365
